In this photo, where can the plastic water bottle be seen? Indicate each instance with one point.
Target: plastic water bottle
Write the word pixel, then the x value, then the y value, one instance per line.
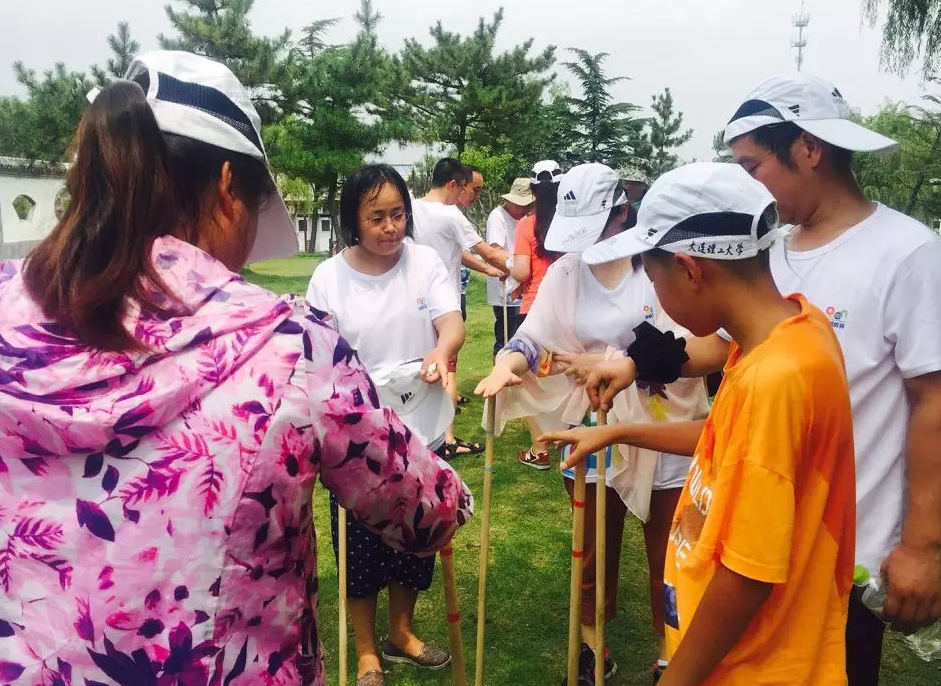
pixel 925 642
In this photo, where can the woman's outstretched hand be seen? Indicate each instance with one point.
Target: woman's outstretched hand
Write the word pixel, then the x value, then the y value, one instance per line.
pixel 496 381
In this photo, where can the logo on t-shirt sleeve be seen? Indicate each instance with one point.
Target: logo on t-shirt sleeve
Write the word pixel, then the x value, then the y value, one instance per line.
pixel 422 304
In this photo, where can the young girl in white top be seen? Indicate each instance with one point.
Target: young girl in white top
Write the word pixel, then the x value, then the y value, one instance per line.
pixel 581 316
pixel 394 302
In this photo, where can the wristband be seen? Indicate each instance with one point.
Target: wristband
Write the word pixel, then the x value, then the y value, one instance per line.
pixel 658 356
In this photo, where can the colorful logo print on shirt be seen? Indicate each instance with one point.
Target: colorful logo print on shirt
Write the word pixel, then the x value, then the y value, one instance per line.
pixel 648 313
pixel 422 304
pixel 837 317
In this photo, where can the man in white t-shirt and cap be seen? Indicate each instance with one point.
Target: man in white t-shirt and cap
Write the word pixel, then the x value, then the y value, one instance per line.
pixel 876 274
pixel 501 233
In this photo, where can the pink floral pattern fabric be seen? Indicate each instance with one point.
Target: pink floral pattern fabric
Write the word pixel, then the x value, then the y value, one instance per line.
pixel 155 507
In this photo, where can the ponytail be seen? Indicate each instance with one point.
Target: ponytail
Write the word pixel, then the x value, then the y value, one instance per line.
pixel 129 184
pixel 121 194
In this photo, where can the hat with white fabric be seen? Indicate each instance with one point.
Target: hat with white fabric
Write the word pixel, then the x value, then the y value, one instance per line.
pixel 198 98
pixel 550 167
pixel 587 194
pixel 709 210
pixel 424 408
pixel 811 103
pixel 520 193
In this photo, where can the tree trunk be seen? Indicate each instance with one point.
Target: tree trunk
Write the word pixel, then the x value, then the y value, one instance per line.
pixel 332 210
pixel 920 180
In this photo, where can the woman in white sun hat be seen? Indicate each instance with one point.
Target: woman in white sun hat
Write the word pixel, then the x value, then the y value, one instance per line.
pixel 396 304
pixel 581 316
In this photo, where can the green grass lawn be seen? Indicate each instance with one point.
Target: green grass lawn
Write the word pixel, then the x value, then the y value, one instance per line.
pixel 527 608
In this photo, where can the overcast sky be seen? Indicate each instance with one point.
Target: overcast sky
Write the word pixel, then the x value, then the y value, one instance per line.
pixel 710 53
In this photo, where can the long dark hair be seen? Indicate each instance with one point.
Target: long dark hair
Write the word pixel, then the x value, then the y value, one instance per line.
pixel 129 184
pixel 363 185
pixel 547 196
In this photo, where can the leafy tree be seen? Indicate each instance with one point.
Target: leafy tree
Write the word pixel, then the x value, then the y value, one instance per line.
pixel 463 92
pixel 345 111
pixel 41 127
pixel 665 133
pixel 312 42
pixel 601 129
pixel 721 150
pixel 912 29
pixel 910 180
pixel 123 49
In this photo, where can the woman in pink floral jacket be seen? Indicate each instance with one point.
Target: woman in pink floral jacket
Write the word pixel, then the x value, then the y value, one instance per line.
pixel 162 422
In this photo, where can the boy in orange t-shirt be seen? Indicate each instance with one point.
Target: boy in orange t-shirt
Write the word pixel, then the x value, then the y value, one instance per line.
pixel 760 558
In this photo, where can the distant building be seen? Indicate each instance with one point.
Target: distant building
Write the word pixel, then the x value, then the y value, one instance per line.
pixel 32 198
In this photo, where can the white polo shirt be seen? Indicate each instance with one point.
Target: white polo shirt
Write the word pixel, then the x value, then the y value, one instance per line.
pixel 447 231
pixel 880 285
pixel 501 230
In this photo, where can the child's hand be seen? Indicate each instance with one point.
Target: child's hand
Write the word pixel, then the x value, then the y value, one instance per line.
pixel 584 440
pixel 607 379
pixel 578 367
pixel 498 379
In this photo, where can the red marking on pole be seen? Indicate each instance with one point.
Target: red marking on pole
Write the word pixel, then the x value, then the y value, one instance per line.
pixel 447 552
pixel 577 554
pixel 456 617
pixel 578 503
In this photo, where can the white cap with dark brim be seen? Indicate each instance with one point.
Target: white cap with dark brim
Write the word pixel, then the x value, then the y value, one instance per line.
pixel 587 194
pixel 199 98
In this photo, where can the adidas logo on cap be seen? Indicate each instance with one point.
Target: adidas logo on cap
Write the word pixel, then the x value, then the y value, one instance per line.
pixel 570 196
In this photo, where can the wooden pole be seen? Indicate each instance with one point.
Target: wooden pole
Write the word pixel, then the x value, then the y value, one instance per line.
pixel 341 537
pixel 506 319
pixel 575 589
pixel 484 545
pixel 449 579
pixel 601 491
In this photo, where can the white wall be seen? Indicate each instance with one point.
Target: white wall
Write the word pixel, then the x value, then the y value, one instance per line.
pixel 321 240
pixel 17 235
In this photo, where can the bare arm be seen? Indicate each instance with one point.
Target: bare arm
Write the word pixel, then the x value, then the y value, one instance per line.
pixel 471 261
pixel 507 371
pixel 707 356
pixel 451 332
pixel 728 606
pixel 674 438
pixel 494 255
pixel 913 570
pixel 522 268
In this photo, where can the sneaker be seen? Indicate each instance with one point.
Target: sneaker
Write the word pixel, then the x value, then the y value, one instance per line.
pixel 658 669
pixel 586 667
pixel 538 461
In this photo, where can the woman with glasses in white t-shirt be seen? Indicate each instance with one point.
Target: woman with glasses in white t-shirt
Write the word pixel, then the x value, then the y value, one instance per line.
pixel 394 301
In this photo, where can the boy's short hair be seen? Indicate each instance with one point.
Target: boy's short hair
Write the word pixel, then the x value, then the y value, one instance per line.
pixel 778 139
pixel 447 170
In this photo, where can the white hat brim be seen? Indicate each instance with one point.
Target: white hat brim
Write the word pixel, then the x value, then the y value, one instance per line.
pixel 627 244
pixel 276 237
pixel 428 417
pixel 848 135
pixel 519 199
pixel 575 234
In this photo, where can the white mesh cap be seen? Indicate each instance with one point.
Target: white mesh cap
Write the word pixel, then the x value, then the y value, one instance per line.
pixel 709 210
pixel 196 97
pixel 587 194
pixel 811 103
pixel 424 408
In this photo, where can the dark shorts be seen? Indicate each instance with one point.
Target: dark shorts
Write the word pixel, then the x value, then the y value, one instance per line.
pixel 514 318
pixel 372 565
pixel 864 635
pixel 464 307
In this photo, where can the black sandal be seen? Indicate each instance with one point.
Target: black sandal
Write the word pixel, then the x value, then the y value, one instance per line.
pixel 459 448
pixel 462 400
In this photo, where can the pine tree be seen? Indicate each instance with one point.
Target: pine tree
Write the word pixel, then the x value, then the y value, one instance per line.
pixel 464 92
pixel 721 150
pixel 123 49
pixel 665 133
pixel 601 130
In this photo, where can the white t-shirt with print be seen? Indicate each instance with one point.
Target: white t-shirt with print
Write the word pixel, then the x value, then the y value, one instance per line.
pixel 447 231
pixel 388 319
pixel 501 230
pixel 880 285
pixel 607 317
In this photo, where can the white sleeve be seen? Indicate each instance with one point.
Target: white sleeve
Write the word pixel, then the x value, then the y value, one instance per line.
pixel 441 293
pixel 465 231
pixel 317 296
pixel 913 311
pixel 496 229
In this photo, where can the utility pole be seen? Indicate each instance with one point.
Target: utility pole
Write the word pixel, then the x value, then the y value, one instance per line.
pixel 800 22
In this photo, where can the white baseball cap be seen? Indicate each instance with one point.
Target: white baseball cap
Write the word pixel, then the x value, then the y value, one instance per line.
pixel 811 103
pixel 194 96
pixel 587 194
pixel 705 209
pixel 424 408
pixel 550 167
